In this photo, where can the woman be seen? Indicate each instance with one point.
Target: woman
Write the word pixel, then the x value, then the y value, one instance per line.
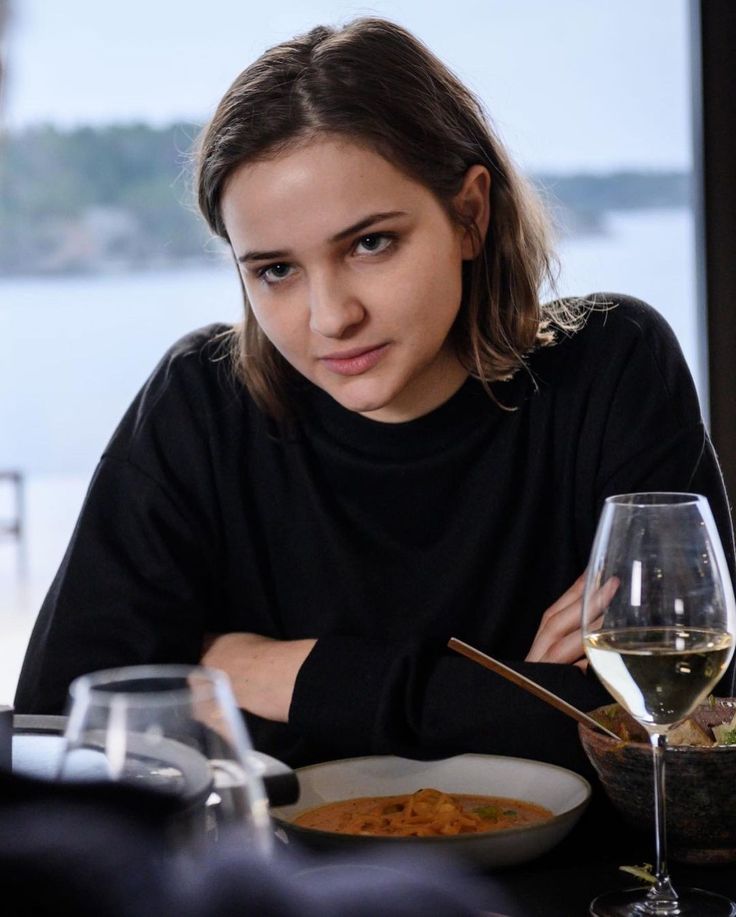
pixel 411 446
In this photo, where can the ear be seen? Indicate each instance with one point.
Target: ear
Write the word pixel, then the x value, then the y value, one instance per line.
pixel 474 203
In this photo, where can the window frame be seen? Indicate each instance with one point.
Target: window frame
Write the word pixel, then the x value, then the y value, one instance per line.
pixel 713 30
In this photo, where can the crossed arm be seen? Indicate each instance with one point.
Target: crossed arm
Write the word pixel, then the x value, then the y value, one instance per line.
pixel 263 671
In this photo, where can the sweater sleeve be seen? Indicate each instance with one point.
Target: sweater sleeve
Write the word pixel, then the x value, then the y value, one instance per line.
pixel 424 703
pixel 136 582
pixel 129 590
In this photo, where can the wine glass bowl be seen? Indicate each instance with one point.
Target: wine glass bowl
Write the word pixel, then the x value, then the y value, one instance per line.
pixel 174 730
pixel 666 635
pixel 658 623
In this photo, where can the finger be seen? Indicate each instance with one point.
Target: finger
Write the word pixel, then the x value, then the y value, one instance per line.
pixel 563 621
pixel 570 595
pixel 601 598
pixel 563 617
pixel 559 635
pixel 569 649
pixel 562 639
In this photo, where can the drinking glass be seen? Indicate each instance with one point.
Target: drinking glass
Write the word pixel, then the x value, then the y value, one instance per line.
pixel 659 623
pixel 174 729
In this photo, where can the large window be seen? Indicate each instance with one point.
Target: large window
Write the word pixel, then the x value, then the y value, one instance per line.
pixel 102 266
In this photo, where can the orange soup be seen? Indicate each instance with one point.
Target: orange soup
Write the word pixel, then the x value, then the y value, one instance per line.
pixel 426 813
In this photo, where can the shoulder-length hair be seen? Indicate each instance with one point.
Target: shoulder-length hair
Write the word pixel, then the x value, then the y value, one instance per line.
pixel 376 84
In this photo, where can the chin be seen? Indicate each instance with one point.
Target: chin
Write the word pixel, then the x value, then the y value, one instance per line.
pixel 359 406
pixel 359 403
pixel 363 394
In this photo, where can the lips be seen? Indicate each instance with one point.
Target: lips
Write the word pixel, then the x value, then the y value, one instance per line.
pixel 354 362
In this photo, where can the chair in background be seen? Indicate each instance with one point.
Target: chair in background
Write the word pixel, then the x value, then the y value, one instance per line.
pixel 13 525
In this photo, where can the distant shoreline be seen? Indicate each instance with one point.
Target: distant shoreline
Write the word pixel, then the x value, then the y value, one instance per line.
pixel 119 198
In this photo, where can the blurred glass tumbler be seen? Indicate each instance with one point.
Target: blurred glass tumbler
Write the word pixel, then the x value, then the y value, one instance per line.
pixel 173 729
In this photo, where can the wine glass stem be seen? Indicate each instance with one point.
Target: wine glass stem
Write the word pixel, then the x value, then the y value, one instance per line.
pixel 662 898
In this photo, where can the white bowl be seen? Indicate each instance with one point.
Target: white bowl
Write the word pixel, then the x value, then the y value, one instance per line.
pixel 562 791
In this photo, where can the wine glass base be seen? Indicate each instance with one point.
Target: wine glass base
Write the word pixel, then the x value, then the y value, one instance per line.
pixel 691 902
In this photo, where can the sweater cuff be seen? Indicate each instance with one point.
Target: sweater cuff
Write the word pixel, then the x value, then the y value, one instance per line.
pixel 337 694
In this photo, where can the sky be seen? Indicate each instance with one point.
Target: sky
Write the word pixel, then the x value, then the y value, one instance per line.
pixel 589 85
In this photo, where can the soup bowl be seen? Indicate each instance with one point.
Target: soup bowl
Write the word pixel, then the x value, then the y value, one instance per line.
pixel 565 793
pixel 700 782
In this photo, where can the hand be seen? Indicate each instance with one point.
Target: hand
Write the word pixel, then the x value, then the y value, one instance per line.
pixel 560 635
pixel 262 670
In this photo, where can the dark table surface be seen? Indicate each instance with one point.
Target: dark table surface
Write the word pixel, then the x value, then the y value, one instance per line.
pixel 563 882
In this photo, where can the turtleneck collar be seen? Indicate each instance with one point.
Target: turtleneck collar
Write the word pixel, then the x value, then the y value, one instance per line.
pixel 469 408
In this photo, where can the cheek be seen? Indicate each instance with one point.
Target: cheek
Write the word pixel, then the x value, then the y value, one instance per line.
pixel 277 321
pixel 433 288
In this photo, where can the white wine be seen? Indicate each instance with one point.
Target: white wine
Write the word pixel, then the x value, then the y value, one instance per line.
pixel 659 674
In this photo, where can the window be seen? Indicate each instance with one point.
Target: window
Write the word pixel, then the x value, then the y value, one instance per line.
pixel 103 266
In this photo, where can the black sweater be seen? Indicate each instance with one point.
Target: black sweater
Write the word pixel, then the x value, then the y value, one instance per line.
pixel 382 540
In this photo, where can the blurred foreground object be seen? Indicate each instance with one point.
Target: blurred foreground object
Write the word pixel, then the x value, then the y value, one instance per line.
pixel 176 730
pixel 100 851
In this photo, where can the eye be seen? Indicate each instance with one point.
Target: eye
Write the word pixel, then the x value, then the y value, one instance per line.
pixel 374 243
pixel 274 273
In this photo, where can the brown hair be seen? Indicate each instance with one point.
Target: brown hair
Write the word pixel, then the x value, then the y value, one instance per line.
pixel 373 82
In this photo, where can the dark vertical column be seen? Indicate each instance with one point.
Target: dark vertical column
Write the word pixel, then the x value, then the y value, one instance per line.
pixel 714 83
pixel 6 738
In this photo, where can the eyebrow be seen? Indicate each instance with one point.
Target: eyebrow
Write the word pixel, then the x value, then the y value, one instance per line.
pixel 338 237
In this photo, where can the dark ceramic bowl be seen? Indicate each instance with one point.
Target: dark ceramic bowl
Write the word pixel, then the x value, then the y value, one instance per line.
pixel 700 783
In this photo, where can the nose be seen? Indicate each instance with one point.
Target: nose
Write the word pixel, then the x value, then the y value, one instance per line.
pixel 334 309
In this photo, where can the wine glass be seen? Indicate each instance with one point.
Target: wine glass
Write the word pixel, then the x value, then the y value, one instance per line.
pixel 174 730
pixel 659 623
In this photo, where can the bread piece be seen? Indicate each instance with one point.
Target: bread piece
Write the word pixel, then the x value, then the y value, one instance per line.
pixel 690 732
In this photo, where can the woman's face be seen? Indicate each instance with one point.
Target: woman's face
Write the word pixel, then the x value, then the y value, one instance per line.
pixel 353 272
